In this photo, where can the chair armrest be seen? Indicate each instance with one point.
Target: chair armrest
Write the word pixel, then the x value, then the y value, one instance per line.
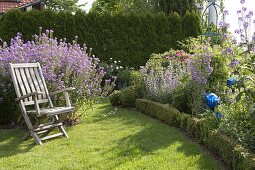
pixel 28 95
pixel 62 90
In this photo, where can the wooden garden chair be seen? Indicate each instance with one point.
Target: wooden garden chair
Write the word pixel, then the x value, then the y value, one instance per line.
pixel 32 93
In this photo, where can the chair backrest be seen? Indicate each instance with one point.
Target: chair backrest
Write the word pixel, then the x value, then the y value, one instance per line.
pixel 28 78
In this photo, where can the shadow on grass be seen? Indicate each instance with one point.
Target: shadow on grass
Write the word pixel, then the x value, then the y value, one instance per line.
pixel 11 143
pixel 153 137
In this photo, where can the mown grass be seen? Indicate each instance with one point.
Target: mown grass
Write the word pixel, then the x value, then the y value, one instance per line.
pixel 108 138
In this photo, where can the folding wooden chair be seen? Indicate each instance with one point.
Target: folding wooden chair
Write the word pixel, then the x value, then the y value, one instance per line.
pixel 31 91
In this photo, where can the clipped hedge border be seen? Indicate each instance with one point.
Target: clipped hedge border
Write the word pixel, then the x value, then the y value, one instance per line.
pixel 234 155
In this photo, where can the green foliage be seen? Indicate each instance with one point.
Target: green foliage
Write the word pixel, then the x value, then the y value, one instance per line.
pixel 143 6
pixel 179 6
pixel 180 100
pixel 129 38
pixel 123 78
pixel 121 6
pixel 136 77
pixel 60 5
pixel 115 98
pixel 129 95
pixel 191 24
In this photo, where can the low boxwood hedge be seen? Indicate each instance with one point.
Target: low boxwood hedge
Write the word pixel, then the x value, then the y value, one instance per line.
pixel 234 155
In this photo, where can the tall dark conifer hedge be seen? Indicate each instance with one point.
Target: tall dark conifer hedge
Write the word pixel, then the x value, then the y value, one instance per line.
pixel 129 38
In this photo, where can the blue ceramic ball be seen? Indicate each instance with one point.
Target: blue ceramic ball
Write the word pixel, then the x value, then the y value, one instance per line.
pixel 212 100
pixel 231 82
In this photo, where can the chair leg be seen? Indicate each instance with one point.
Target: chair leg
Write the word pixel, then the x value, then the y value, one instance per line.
pixel 61 128
pixel 37 139
pixel 31 130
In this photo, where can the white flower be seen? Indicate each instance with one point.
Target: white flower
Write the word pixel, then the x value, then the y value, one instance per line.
pixel 115 61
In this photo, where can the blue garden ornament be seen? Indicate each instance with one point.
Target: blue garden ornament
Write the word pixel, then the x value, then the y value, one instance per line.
pixel 231 82
pixel 212 100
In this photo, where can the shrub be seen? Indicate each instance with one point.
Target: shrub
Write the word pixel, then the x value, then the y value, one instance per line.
pixel 129 95
pixel 115 98
pixel 131 38
pixel 63 64
pixel 123 79
pixel 180 99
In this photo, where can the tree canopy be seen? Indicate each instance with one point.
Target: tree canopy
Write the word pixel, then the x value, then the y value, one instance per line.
pixel 63 5
pixel 143 6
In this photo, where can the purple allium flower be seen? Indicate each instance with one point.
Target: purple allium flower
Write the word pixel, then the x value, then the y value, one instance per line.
pixel 242 1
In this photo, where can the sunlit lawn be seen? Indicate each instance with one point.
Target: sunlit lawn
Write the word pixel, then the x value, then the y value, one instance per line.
pixel 107 140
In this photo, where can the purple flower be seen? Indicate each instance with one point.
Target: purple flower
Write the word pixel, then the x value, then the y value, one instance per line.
pixel 234 63
pixel 242 1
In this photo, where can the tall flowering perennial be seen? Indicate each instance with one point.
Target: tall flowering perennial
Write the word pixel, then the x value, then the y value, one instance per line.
pixel 200 69
pixel 163 73
pixel 63 64
pixel 200 66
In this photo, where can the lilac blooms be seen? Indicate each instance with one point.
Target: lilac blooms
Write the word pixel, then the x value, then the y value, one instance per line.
pixel 63 64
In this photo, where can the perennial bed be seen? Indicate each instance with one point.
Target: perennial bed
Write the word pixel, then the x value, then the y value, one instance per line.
pixel 233 154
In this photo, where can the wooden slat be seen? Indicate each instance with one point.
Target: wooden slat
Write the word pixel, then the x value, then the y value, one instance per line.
pixel 52 136
pixel 40 82
pixel 48 127
pixel 45 87
pixel 30 81
pixel 26 85
pixel 15 82
pixel 37 87
pixel 21 85
pixel 24 65
pixel 39 101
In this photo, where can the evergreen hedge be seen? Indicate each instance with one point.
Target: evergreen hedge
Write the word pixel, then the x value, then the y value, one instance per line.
pixel 129 38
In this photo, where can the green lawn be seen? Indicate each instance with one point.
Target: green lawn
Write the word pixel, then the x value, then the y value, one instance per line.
pixel 108 138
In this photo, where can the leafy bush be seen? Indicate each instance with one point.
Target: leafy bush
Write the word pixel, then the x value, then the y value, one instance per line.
pixel 131 38
pixel 123 79
pixel 129 95
pixel 115 98
pixel 63 65
pixel 180 99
